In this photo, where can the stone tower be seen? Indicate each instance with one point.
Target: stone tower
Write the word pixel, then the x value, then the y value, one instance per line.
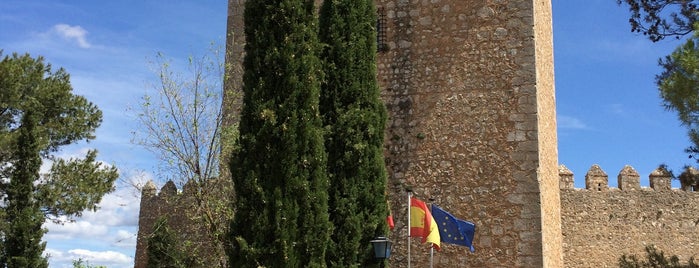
pixel 469 88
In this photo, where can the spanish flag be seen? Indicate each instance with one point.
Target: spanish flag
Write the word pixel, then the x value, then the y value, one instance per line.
pixel 422 224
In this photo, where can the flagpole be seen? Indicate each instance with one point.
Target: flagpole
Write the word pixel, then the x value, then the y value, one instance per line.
pixel 410 193
pixel 431 200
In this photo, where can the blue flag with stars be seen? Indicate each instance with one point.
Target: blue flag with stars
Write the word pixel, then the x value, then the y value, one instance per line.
pixel 453 230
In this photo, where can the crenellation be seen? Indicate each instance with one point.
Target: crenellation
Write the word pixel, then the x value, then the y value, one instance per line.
pixel 628 179
pixel 609 222
pixel 148 189
pixel 567 182
pixel 688 179
pixel 469 90
pixel 660 179
pixel 168 190
pixel 596 179
pixel 183 218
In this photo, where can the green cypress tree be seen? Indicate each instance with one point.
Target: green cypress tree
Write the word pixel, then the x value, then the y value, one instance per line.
pixel 355 117
pixel 23 245
pixel 278 168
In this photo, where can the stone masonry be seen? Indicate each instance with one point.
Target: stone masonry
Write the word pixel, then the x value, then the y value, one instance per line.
pixel 469 90
pixel 469 87
pixel 601 223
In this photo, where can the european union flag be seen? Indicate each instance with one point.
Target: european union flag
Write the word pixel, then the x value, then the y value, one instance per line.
pixel 453 230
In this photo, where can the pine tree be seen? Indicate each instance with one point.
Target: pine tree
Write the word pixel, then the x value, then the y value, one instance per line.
pixel 278 169
pixel 23 245
pixel 39 116
pixel 355 117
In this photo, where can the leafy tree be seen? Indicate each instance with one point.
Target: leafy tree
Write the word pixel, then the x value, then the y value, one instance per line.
pixel 181 123
pixel 38 115
pixel 164 248
pixel 654 259
pixel 658 19
pixel 679 88
pixel 279 168
pixel 354 117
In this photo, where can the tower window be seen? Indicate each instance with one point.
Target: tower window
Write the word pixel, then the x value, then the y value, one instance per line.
pixel 381 29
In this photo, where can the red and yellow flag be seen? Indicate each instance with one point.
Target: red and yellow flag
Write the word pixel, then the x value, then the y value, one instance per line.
pixel 389 221
pixel 389 218
pixel 422 224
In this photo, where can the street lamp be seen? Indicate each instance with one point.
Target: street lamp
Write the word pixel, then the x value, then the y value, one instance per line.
pixel 382 248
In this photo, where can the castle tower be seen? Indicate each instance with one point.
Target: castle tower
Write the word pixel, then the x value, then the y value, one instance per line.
pixel 146 217
pixel 470 93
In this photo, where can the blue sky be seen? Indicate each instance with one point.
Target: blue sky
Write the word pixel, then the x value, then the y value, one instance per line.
pixel 608 108
pixel 106 46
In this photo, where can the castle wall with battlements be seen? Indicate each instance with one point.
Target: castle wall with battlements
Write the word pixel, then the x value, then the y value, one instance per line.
pixel 601 223
pixel 183 211
pixel 469 88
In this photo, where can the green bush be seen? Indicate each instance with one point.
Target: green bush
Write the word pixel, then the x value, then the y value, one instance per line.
pixel 654 259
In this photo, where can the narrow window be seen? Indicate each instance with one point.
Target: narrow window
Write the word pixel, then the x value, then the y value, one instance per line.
pixel 381 29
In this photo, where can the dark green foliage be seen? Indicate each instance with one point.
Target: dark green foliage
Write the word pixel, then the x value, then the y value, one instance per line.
pixel 39 114
pixel 658 19
pixel 679 88
pixel 86 179
pixel 29 84
pixel 165 249
pixel 23 245
pixel 278 168
pixel 354 117
pixel 654 259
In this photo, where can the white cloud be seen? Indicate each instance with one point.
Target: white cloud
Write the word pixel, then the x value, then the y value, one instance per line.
pixel 101 256
pixel 74 33
pixel 77 229
pixel 107 258
pixel 116 209
pixel 570 122
pixel 119 208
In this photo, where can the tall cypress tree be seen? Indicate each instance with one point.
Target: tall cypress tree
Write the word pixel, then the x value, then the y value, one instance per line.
pixel 23 245
pixel 355 117
pixel 278 168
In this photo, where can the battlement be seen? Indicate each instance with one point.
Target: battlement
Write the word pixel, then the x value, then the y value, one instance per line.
pixel 628 179
pixel 169 190
pixel 185 210
pixel 607 222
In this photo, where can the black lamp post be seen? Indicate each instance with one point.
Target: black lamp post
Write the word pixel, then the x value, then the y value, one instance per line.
pixel 382 248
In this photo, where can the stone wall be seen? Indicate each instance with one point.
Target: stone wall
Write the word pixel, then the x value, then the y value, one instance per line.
pixel 468 85
pixel 469 90
pixel 184 218
pixel 600 223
